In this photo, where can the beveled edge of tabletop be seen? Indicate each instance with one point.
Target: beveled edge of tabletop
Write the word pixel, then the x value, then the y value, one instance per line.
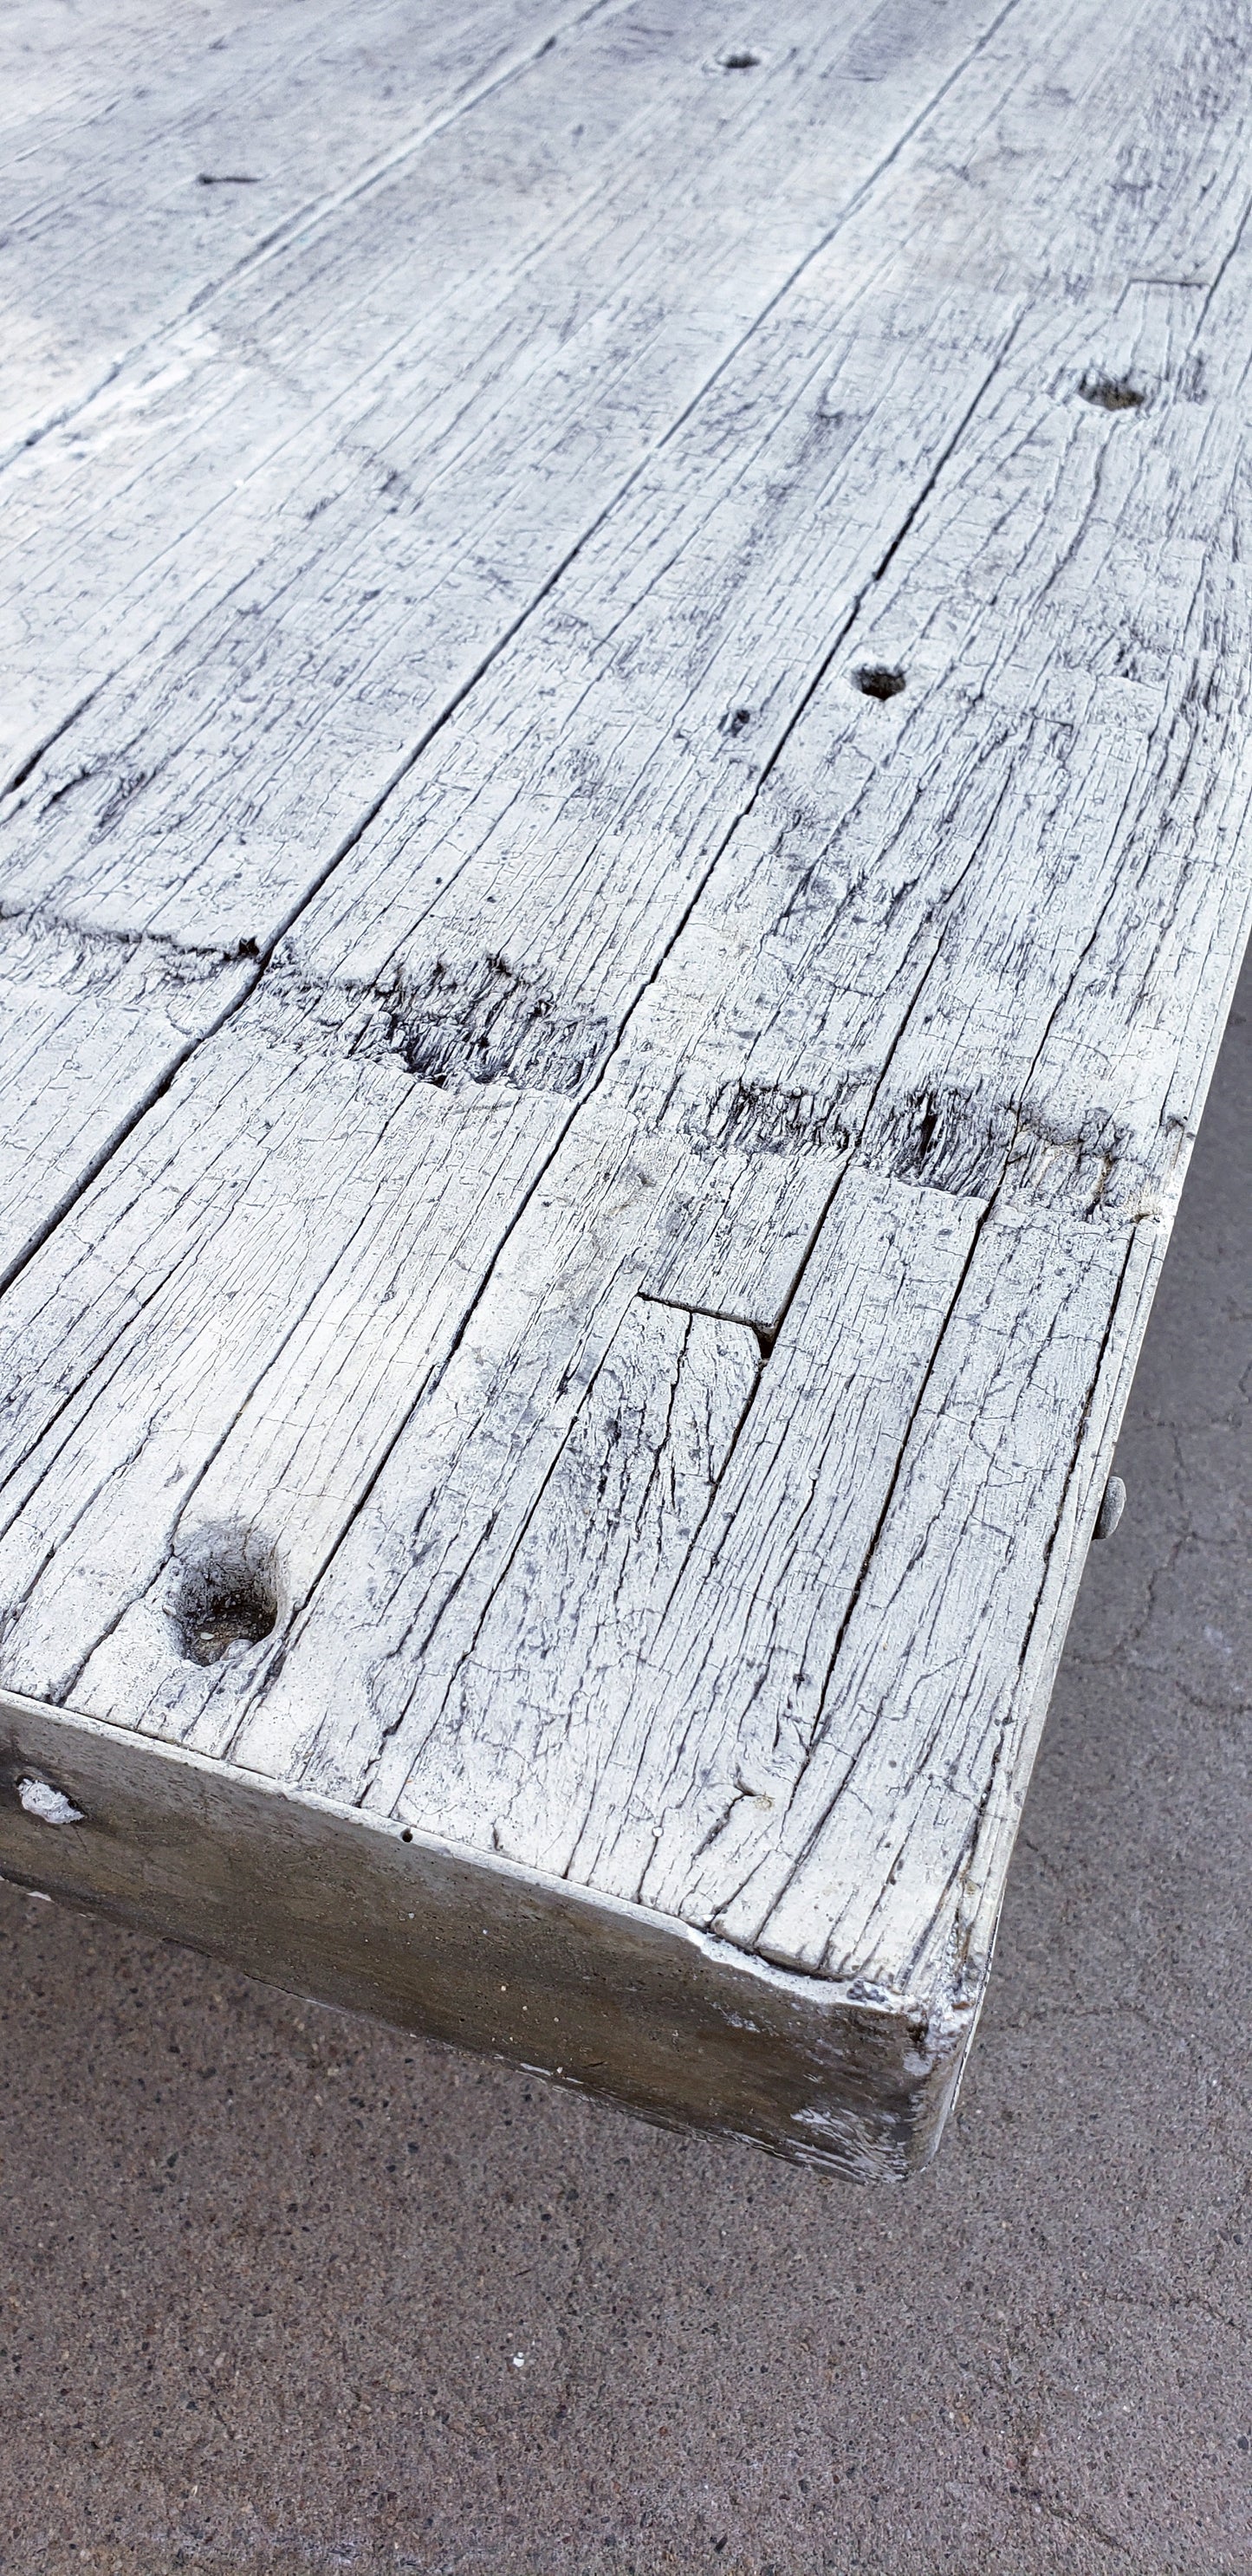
pixel 355 1910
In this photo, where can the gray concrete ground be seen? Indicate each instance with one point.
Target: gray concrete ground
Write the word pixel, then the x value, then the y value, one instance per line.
pixel 283 2291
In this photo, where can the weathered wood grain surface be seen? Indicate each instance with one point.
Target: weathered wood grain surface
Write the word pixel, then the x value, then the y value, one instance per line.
pixel 151 153
pixel 627 846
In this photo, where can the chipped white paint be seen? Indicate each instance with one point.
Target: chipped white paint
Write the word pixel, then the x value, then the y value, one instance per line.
pixel 38 1798
pixel 654 1012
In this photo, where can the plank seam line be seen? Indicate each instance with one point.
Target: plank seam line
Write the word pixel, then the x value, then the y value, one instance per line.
pixel 20 776
pixel 92 1169
pixel 1223 264
pixel 308 218
pixel 118 1339
pixel 715 1314
pixel 176 954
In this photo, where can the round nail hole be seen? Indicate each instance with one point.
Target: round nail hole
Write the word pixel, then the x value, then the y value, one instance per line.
pixel 877 682
pixel 407 1834
pixel 739 59
pixel 1111 393
pixel 227 1595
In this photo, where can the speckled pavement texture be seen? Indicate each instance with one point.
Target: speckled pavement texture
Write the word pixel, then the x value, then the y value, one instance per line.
pixel 286 2292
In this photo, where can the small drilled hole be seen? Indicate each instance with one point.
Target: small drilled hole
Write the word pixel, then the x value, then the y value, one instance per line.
pixel 877 682
pixel 739 721
pixel 227 1596
pixel 739 60
pixel 1111 393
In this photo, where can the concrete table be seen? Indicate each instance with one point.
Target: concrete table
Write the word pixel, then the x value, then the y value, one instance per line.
pixel 626 649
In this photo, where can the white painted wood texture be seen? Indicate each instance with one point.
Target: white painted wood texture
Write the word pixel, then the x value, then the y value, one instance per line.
pixel 576 260
pixel 148 152
pixel 540 250
pixel 629 1167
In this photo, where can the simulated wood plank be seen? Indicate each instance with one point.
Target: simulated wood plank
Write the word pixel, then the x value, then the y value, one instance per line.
pixel 149 152
pixel 902 1679
pixel 591 1574
pixel 186 1267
